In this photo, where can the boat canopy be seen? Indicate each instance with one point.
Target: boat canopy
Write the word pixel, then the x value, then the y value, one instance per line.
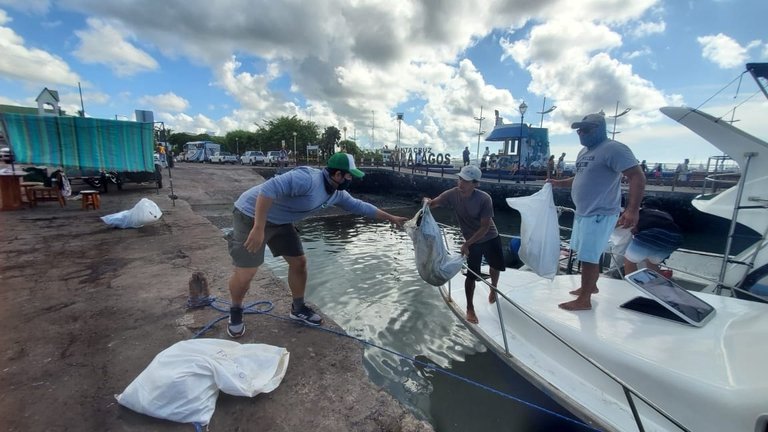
pixel 508 131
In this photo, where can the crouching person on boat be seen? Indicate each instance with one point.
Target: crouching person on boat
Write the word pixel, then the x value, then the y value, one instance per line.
pixel 474 210
pixel 596 193
pixel 655 237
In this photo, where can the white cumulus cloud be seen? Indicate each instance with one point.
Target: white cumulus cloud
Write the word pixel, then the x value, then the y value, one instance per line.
pixel 30 64
pixel 165 102
pixel 104 43
pixel 723 50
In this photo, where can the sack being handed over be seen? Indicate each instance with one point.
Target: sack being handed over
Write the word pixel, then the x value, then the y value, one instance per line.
pixel 144 212
pixel 435 264
pixel 539 231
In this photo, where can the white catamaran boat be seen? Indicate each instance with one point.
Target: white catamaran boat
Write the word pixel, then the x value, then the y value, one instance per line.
pixel 625 369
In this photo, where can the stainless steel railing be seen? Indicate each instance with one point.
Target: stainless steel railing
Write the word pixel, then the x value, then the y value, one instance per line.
pixel 628 391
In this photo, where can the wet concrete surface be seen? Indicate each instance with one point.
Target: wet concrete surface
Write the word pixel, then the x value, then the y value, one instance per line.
pixel 84 308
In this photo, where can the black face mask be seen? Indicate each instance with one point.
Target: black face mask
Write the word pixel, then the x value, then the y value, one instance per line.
pixel 345 184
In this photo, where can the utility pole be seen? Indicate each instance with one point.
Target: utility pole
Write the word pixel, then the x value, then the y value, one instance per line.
pixel 82 107
pixel 480 131
pixel 373 120
pixel 615 116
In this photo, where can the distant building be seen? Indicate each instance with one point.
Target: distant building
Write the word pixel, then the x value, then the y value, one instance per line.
pixel 48 103
pixel 526 145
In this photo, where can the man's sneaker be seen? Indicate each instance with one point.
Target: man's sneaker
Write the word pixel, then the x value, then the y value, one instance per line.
pixel 235 326
pixel 306 315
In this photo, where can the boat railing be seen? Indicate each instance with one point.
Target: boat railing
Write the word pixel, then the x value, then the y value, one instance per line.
pixel 713 182
pixel 629 392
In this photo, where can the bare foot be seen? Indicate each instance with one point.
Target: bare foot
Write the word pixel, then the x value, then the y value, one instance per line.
pixel 492 297
pixel 577 292
pixel 576 305
pixel 471 317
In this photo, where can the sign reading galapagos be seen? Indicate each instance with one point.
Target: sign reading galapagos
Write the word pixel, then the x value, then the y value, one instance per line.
pixel 420 155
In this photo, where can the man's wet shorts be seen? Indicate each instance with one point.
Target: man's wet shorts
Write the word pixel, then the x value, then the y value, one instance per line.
pixel 590 236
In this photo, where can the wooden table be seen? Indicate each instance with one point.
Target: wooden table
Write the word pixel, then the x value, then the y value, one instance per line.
pixel 10 191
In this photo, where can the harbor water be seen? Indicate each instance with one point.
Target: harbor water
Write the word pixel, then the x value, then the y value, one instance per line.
pixel 362 274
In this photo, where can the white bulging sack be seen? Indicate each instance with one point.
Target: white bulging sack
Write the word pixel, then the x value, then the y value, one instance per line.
pixel 435 264
pixel 144 212
pixel 539 231
pixel 182 383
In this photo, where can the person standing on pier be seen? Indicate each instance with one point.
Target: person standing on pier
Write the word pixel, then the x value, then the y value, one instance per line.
pixel 465 155
pixel 474 210
pixel 596 193
pixel 265 214
pixel 561 166
pixel 551 167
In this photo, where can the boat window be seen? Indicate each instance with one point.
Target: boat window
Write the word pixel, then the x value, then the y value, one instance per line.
pixel 757 284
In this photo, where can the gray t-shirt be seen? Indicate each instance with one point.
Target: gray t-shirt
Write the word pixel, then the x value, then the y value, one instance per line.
pixel 469 211
pixel 596 188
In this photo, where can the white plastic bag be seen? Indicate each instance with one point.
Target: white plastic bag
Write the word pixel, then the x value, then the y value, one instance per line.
pixel 619 241
pixel 183 381
pixel 144 212
pixel 435 264
pixel 539 231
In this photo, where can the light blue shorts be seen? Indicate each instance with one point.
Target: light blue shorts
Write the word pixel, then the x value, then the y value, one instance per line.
pixel 638 251
pixel 590 236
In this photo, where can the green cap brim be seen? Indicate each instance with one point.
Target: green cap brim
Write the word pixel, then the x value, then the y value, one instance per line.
pixel 356 173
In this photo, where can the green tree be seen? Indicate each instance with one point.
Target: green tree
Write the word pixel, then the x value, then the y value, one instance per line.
pixel 273 133
pixel 239 141
pixel 328 141
pixel 350 147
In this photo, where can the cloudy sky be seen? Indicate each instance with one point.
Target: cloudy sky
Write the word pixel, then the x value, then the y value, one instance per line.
pixel 216 66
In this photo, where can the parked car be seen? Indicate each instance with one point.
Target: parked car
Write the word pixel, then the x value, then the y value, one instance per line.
pixel 223 158
pixel 253 158
pixel 273 158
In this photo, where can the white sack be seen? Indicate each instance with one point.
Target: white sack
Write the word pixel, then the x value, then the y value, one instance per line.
pixel 183 381
pixel 144 212
pixel 539 231
pixel 619 240
pixel 435 264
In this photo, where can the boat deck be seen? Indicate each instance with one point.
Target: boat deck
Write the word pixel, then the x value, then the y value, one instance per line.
pixel 667 362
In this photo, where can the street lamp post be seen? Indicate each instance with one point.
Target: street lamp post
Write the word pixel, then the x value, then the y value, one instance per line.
pixel 480 131
pixel 522 108
pixel 615 116
pixel 295 155
pixel 237 147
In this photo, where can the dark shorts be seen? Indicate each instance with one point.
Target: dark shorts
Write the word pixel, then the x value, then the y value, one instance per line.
pixel 491 250
pixel 283 240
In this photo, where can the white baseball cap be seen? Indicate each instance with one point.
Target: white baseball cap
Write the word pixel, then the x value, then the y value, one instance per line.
pixel 470 173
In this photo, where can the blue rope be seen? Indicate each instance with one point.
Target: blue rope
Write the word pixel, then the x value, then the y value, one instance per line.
pixel 268 306
pixel 259 307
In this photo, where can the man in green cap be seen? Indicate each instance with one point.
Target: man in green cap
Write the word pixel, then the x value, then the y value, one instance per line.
pixel 264 215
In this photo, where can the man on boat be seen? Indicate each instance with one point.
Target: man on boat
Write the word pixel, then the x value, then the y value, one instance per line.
pixel 596 193
pixel 474 210
pixel 265 214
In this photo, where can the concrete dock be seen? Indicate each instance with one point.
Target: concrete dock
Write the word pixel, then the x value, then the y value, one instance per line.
pixel 84 308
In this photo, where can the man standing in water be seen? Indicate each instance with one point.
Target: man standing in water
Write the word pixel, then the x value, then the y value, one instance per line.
pixel 474 210
pixel 596 193
pixel 264 215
